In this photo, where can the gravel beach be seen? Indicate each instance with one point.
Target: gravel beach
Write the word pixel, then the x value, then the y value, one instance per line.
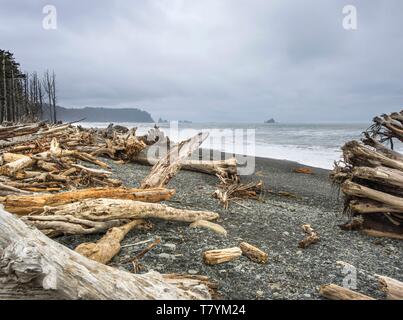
pixel 272 224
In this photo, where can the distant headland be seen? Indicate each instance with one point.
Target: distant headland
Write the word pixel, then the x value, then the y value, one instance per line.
pixel 270 121
pixel 102 115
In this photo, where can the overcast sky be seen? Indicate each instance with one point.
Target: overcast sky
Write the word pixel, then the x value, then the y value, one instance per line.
pixel 216 60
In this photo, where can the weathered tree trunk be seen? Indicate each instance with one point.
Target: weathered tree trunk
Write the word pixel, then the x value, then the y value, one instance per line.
pixel 169 165
pixel 335 292
pixel 32 266
pixel 109 245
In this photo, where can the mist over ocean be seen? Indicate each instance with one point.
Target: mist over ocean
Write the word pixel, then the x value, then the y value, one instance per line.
pixel 317 145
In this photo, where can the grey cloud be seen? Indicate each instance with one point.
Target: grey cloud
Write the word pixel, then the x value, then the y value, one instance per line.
pixel 228 60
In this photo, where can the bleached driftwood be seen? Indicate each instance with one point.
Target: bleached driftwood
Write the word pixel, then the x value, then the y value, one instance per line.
pixel 209 225
pixel 335 292
pixel 109 245
pixel 35 203
pixel 11 168
pixel 213 257
pixel 32 266
pixel 170 164
pixel 66 217
pixel 392 287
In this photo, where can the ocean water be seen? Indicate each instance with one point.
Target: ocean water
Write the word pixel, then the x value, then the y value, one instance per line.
pixel 316 145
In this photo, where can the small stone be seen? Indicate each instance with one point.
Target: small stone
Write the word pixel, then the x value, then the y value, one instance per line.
pixel 275 295
pixel 275 287
pixel 307 295
pixel 170 246
pixel 259 293
pixel 299 252
pixel 166 256
pixel 192 271
pixel 286 233
pixel 238 268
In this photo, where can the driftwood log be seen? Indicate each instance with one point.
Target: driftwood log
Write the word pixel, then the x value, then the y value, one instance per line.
pixel 209 225
pixel 393 288
pixel 28 204
pixel 74 217
pixel 213 257
pixel 254 253
pixel 335 292
pixel 311 237
pixel 32 266
pixel 109 245
pixel 170 164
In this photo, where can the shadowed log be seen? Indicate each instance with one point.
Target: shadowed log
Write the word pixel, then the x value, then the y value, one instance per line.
pixel 354 189
pixel 364 206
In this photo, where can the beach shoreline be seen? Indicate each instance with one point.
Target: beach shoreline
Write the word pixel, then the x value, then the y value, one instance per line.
pixel 273 224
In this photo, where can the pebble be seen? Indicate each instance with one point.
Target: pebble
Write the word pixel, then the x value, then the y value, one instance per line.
pixel 166 256
pixel 259 293
pixel 192 271
pixel 170 246
pixel 275 287
pixel 286 233
pixel 307 295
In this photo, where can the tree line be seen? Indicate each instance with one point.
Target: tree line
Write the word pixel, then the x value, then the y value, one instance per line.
pixel 25 97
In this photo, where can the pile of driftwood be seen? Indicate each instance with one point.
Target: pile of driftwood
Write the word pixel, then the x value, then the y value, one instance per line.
pixel 39 161
pixel 371 178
